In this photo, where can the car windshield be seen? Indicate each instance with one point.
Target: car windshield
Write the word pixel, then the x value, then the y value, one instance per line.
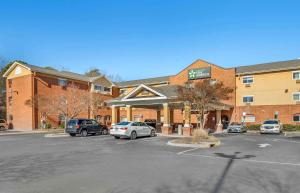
pixel 123 123
pixel 235 123
pixel 271 122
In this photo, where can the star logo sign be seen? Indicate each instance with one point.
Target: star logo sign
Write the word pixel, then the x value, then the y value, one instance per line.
pixel 192 74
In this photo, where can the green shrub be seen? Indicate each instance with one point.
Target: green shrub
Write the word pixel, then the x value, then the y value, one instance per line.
pixel 255 127
pixel 288 127
pixel 61 126
pixel 48 126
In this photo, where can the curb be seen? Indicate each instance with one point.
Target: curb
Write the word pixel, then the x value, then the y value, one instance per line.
pixel 202 145
pixel 21 133
pixel 54 135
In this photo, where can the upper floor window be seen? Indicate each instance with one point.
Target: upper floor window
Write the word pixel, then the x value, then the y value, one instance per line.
pixel 296 75
pixel 248 79
pixel 122 91
pixel 107 89
pixel 248 99
pixel 97 87
pixel 62 82
pixel 296 118
pixel 296 96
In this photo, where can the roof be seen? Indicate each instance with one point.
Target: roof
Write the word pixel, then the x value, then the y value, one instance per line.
pixel 62 74
pixel 144 81
pixel 269 67
pixel 170 91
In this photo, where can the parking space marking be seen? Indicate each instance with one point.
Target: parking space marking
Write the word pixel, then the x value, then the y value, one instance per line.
pixel 137 140
pixel 245 160
pixel 188 150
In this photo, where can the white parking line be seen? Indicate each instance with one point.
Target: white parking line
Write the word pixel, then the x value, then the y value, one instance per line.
pixel 245 160
pixel 189 150
pixel 137 140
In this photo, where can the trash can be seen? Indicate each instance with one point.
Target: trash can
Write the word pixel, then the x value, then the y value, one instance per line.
pixel 179 129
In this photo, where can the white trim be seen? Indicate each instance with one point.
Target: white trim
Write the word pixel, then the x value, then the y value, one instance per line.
pixel 248 96
pixel 125 98
pixel 248 77
pixel 13 66
pixel 293 96
pixel 293 75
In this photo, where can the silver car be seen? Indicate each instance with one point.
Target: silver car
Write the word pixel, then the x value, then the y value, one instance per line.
pixel 235 127
pixel 271 126
pixel 132 130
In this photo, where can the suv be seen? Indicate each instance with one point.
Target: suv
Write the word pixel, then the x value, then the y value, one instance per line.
pixel 3 124
pixel 85 127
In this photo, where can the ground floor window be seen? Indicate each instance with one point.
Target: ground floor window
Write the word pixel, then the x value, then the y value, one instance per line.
pixel 137 118
pixel 296 118
pixel 248 119
pixel 123 118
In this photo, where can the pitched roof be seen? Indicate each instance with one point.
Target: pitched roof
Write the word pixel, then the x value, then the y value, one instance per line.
pixel 62 74
pixel 170 91
pixel 144 81
pixel 269 67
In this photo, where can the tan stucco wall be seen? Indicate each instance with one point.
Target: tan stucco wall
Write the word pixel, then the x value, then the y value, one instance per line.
pixel 23 72
pixel 275 88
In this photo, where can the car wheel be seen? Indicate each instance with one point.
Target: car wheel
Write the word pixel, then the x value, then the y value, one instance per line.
pixel 152 133
pixel 72 134
pixel 133 135
pixel 83 133
pixel 117 137
pixel 104 132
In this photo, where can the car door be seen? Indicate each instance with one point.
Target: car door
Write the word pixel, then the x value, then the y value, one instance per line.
pixel 89 126
pixel 145 129
pixel 96 127
pixel 135 126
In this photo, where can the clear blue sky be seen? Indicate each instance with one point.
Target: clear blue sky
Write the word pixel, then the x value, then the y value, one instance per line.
pixel 148 38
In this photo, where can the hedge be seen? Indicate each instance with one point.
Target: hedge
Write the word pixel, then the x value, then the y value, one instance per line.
pixel 286 127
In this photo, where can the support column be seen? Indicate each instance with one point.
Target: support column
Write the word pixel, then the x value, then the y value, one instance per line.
pixel 158 115
pixel 187 131
pixel 129 112
pixel 166 129
pixel 219 125
pixel 114 114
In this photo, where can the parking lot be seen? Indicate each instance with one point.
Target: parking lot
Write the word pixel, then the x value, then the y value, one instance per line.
pixel 101 164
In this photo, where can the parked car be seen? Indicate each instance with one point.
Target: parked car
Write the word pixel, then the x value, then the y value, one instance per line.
pixel 3 124
pixel 271 126
pixel 132 130
pixel 235 127
pixel 85 127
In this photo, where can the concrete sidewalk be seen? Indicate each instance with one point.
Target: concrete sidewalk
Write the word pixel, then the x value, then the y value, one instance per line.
pixel 15 132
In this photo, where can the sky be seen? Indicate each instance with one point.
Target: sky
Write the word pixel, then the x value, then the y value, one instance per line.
pixel 148 38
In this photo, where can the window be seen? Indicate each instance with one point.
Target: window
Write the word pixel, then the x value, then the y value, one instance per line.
pixel 248 99
pixel 122 91
pixel 97 87
pixel 296 118
pixel 248 119
pixel 9 83
pixel 296 96
pixel 296 75
pixel 248 79
pixel 62 82
pixel 106 89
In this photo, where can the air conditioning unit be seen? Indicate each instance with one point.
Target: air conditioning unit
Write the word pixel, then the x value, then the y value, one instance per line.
pixel 298 81
pixel 247 85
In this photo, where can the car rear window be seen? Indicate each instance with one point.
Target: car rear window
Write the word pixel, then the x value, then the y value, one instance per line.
pixel 271 122
pixel 72 122
pixel 123 123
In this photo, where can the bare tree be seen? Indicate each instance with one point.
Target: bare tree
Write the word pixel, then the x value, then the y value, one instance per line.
pixel 202 95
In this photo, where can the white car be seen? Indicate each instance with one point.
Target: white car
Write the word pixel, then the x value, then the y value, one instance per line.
pixel 132 130
pixel 271 126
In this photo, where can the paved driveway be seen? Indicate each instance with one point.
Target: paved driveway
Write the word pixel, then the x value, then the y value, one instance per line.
pixel 101 164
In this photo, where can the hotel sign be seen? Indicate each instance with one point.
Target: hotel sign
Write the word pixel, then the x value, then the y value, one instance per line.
pixel 199 73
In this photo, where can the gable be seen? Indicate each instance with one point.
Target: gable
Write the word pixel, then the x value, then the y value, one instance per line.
pixel 17 70
pixel 103 81
pixel 143 92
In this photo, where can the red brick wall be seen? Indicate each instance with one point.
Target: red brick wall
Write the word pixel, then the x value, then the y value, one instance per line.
pixel 21 113
pixel 264 112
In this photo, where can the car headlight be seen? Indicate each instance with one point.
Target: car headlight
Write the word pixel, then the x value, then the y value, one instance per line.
pixel 277 126
pixel 261 127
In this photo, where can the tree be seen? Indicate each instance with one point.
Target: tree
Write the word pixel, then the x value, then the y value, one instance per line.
pixel 202 95
pixel 93 72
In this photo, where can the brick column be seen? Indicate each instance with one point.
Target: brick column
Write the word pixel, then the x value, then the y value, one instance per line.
pixel 187 131
pixel 166 129
pixel 115 114
pixel 129 112
pixel 219 126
